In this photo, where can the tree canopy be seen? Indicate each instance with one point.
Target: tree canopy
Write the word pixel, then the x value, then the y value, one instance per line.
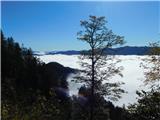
pixel 97 67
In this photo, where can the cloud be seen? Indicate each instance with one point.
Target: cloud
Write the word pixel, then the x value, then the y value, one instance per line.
pixel 132 74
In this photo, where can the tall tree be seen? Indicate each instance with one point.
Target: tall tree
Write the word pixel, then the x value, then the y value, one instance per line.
pixel 26 93
pixel 97 66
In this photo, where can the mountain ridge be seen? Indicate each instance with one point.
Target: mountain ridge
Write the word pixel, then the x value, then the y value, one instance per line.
pixel 126 50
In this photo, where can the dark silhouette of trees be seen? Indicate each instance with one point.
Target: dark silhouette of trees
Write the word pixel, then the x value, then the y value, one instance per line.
pixel 34 90
pixel 104 110
pixel 148 105
pixel 31 89
pixel 96 66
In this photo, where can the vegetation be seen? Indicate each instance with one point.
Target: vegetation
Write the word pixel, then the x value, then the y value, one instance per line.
pixel 33 90
pixel 152 72
pixel 148 106
pixel 95 62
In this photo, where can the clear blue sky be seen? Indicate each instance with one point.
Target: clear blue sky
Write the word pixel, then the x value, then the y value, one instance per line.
pixel 52 25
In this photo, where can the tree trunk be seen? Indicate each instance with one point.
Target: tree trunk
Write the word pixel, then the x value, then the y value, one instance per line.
pixel 92 88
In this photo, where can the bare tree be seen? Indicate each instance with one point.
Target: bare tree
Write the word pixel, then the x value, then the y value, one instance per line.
pixel 97 66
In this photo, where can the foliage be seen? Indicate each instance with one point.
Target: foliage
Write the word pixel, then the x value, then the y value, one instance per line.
pixel 95 64
pixel 148 106
pixel 151 66
pixel 29 87
pixel 103 110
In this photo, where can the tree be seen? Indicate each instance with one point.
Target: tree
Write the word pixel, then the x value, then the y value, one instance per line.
pixel 151 65
pixel 26 93
pixel 98 67
pixel 148 105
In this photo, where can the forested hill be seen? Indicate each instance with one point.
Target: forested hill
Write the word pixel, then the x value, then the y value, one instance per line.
pixel 127 50
pixel 33 90
pixel 27 71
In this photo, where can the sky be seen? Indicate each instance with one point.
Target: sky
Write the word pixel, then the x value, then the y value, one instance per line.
pixel 46 26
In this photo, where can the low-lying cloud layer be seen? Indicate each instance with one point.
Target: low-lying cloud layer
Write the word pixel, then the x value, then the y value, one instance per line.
pixel 132 74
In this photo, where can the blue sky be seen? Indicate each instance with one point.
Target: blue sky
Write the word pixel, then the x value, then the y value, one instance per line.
pixel 52 25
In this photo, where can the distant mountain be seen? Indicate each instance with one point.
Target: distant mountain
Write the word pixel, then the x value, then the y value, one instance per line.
pixel 68 52
pixel 127 50
pixel 38 53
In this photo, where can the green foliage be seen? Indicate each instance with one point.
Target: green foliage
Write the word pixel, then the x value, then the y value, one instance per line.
pixel 39 109
pixel 26 95
pixel 29 87
pixel 148 106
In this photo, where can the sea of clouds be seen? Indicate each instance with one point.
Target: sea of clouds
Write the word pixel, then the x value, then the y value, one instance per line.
pixel 133 74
